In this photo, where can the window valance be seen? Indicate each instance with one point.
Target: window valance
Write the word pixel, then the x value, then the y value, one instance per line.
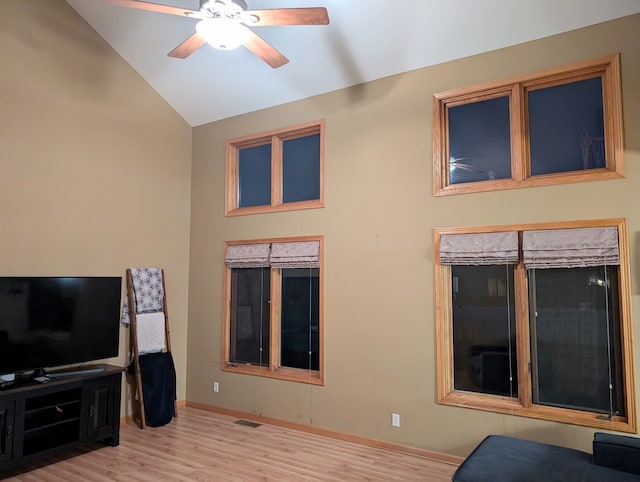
pixel 571 248
pixel 479 248
pixel 298 254
pixel 247 255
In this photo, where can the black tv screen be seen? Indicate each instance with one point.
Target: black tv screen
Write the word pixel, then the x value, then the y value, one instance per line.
pixel 51 321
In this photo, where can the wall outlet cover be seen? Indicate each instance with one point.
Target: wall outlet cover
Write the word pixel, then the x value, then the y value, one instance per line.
pixel 395 419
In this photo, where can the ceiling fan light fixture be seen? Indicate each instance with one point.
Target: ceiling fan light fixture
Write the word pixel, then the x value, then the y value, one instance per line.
pixel 222 33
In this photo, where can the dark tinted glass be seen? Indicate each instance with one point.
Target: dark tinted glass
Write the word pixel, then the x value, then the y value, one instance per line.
pixel 51 321
pixel 479 141
pixel 575 339
pixel 254 176
pixel 484 334
pixel 250 292
pixel 566 127
pixel 301 169
pixel 300 310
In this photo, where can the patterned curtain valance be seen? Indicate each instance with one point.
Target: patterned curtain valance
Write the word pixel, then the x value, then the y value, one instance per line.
pixel 247 255
pixel 300 254
pixel 571 248
pixel 479 248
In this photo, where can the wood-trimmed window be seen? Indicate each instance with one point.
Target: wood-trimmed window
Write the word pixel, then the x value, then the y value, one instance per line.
pixel 279 170
pixel 536 340
pixel 558 126
pixel 273 308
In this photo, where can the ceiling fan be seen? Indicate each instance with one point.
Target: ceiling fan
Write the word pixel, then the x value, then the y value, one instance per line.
pixel 224 24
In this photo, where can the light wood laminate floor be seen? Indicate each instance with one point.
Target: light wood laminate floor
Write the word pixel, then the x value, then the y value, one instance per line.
pixel 206 446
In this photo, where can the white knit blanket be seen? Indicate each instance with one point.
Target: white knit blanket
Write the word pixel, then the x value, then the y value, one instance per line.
pixel 150 332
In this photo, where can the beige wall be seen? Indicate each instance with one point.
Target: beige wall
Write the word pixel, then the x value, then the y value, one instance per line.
pixel 95 168
pixel 93 163
pixel 378 225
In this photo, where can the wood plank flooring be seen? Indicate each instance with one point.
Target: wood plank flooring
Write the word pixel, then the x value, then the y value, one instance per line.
pixel 206 446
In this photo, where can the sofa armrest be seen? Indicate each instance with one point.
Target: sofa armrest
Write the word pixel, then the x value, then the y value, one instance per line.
pixel 617 452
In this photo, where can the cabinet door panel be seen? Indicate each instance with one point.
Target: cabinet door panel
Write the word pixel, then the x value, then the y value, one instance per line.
pixel 102 399
pixel 6 430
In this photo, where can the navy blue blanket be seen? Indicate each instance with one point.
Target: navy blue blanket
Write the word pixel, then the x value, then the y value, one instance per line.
pixel 506 459
pixel 158 387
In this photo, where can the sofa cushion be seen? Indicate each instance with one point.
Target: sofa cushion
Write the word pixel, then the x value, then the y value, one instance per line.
pixel 509 459
pixel 617 451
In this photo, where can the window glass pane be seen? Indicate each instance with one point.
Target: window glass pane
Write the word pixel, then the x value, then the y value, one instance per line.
pixel 484 335
pixel 301 169
pixel 254 176
pixel 566 127
pixel 575 339
pixel 479 141
pixel 249 326
pixel 300 310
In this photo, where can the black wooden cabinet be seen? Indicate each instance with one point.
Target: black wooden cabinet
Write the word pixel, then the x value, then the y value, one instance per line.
pixel 37 419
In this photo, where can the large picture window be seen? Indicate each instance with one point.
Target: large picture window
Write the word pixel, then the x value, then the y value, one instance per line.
pixel 535 320
pixel 279 170
pixel 557 126
pixel 273 309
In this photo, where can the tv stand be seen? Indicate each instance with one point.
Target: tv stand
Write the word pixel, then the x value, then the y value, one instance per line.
pixel 74 373
pixel 74 410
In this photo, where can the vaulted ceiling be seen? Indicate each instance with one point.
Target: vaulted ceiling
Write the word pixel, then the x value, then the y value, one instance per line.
pixel 365 40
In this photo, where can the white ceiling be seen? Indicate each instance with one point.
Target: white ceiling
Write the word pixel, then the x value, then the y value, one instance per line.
pixel 366 40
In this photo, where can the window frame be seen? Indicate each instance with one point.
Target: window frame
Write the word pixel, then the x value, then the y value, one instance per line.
pixel 276 138
pixel 274 370
pixel 523 405
pixel 516 88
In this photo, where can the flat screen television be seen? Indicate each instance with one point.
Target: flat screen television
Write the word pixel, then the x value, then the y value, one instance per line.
pixel 47 322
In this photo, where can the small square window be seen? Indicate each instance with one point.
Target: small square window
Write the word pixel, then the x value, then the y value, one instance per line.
pixel 254 176
pixel 566 127
pixel 276 171
pixel 479 141
pixel 301 169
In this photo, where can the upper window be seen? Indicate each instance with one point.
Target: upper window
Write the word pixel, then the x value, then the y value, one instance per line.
pixel 558 126
pixel 535 320
pixel 273 309
pixel 276 171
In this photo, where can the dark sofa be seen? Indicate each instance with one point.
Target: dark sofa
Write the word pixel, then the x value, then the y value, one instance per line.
pixel 509 459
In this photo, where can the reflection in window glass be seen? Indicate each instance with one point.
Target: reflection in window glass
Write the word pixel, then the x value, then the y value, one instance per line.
pixel 254 176
pixel 301 169
pixel 300 314
pixel 575 339
pixel 250 316
pixel 484 334
pixel 566 127
pixel 479 141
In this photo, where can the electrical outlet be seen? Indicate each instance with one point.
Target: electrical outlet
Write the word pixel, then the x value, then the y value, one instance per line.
pixel 216 387
pixel 395 419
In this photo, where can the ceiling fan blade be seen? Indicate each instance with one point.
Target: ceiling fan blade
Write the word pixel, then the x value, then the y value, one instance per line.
pixel 187 47
pixel 155 7
pixel 259 47
pixel 290 16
